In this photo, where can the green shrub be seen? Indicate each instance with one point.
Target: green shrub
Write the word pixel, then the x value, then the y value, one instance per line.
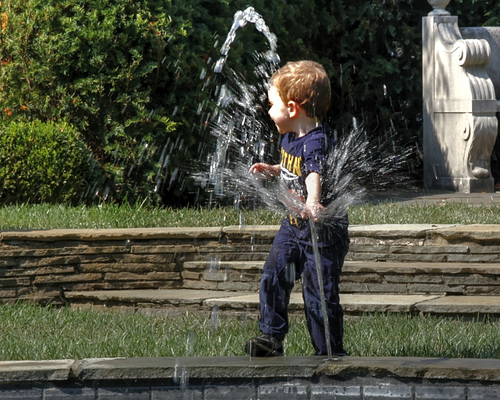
pixel 102 67
pixel 43 163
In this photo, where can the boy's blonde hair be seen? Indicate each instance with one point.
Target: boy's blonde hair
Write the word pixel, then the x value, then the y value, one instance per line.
pixel 306 83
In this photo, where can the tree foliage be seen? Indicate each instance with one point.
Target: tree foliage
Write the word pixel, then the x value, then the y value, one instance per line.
pixel 99 66
pixel 126 74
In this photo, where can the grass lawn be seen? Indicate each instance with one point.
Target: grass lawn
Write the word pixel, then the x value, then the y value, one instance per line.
pixel 65 333
pixel 114 216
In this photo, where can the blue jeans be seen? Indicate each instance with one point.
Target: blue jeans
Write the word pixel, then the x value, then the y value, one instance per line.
pixel 288 260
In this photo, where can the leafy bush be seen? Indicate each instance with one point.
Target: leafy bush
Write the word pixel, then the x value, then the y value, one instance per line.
pixel 44 163
pixel 98 65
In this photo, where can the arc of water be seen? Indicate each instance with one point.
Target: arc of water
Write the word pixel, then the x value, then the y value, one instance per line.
pixel 241 18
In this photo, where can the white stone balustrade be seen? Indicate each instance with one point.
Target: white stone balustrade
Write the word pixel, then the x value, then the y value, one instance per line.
pixel 461 77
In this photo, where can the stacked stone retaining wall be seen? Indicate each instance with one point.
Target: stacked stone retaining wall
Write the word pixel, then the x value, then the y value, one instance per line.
pixel 44 265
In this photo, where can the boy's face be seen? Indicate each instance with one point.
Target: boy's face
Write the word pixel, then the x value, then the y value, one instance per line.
pixel 279 112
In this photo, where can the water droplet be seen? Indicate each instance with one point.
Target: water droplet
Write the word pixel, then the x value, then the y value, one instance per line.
pixel 203 73
pixel 214 318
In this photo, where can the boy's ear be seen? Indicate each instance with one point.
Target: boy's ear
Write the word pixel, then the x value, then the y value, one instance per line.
pixel 293 108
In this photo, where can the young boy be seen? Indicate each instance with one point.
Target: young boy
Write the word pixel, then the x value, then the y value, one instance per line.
pixel 299 98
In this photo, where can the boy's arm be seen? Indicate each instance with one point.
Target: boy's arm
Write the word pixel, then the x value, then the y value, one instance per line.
pixel 313 206
pixel 264 170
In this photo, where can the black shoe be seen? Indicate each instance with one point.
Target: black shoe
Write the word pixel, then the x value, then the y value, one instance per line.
pixel 264 346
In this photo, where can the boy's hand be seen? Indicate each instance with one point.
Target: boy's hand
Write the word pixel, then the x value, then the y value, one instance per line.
pixel 313 211
pixel 264 170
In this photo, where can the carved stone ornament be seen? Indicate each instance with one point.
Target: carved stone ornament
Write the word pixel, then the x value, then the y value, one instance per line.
pixel 439 7
pixel 460 104
pixel 478 151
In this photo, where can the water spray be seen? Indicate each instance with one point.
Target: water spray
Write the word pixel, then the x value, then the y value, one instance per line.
pixel 354 166
pixel 319 272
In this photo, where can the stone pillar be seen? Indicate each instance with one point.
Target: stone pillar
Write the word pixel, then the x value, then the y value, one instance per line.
pixel 459 106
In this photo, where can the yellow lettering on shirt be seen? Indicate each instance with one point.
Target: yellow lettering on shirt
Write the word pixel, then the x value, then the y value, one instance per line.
pixel 291 163
pixel 296 166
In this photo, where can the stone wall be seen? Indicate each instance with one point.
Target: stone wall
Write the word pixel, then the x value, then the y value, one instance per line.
pixel 44 265
pixel 244 378
pixel 423 259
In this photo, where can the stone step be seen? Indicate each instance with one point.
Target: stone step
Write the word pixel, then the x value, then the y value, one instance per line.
pixel 217 265
pixel 181 300
pixel 444 278
pixel 406 267
pixel 447 278
pixel 360 266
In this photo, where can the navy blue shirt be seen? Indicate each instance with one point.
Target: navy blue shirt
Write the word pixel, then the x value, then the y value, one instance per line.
pixel 299 157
